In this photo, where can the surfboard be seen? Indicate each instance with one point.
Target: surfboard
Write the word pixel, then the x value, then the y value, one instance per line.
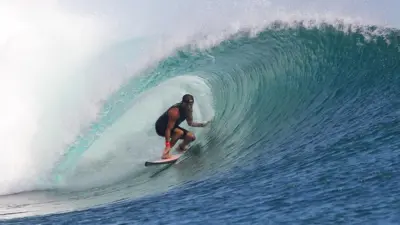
pixel 171 160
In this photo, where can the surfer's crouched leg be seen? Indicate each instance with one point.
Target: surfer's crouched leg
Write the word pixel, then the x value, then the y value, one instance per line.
pixel 176 135
pixel 188 138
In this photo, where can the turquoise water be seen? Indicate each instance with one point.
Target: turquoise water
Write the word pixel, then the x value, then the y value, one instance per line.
pixel 304 131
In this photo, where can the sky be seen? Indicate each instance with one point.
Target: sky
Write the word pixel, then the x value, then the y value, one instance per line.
pixel 157 11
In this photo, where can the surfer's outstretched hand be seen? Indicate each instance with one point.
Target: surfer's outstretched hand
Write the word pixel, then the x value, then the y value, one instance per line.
pixel 206 123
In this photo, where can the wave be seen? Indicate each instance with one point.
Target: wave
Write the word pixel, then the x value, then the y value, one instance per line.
pixel 258 90
pixel 264 83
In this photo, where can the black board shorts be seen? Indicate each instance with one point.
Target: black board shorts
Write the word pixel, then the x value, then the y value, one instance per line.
pixel 160 130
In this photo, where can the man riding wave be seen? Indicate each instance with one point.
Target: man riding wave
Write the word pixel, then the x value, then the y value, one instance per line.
pixel 168 123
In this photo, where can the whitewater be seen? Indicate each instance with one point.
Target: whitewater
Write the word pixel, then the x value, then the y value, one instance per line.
pixel 303 98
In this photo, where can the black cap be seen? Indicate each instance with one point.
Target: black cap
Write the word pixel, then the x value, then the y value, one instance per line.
pixel 187 98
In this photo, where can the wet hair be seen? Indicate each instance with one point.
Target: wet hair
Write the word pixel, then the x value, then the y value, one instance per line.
pixel 187 98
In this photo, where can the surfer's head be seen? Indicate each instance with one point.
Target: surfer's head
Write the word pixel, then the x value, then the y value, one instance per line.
pixel 187 101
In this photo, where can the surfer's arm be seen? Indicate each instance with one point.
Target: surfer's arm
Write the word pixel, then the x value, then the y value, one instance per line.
pixel 172 117
pixel 190 122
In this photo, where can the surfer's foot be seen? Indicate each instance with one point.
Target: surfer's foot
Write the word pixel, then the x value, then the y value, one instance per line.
pixel 166 156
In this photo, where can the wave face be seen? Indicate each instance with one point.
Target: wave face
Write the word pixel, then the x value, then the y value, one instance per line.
pixel 304 124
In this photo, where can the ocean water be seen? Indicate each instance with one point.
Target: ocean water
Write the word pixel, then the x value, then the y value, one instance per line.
pixel 304 104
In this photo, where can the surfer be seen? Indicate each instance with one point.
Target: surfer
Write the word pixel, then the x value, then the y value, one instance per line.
pixel 168 123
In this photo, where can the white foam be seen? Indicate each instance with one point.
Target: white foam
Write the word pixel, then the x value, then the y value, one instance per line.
pixel 41 46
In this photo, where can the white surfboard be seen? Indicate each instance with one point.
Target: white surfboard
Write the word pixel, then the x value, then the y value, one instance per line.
pixel 170 160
